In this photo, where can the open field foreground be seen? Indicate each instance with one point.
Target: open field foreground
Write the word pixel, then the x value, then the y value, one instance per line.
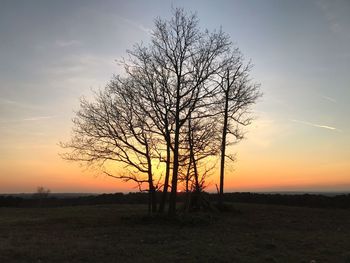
pixel 119 233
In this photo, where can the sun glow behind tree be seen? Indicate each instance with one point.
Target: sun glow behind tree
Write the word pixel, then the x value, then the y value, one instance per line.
pixel 182 95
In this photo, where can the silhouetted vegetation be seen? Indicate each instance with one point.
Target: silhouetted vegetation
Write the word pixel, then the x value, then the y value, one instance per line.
pixel 41 193
pixel 181 100
pixel 307 200
pixel 302 200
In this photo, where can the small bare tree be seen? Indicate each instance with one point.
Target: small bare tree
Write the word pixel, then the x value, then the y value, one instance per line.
pixel 201 142
pixel 236 96
pixel 41 193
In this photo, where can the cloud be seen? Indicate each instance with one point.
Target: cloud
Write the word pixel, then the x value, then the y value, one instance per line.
pixel 136 25
pixel 329 99
pixel 11 104
pixel 316 125
pixel 264 131
pixel 329 11
pixel 38 118
pixel 34 118
pixel 6 101
pixel 84 64
pixel 67 43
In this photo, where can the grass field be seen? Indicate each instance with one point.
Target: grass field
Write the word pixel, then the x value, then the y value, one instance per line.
pixel 119 233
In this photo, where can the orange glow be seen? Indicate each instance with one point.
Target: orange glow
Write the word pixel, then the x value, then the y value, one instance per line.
pixel 48 169
pixel 263 164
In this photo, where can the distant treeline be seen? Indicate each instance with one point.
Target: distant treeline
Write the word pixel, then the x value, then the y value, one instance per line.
pixel 306 200
pixel 52 201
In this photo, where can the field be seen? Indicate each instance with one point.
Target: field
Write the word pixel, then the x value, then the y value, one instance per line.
pixel 119 233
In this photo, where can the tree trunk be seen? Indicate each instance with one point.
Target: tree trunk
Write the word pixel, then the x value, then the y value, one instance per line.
pixel 223 149
pixel 187 199
pixel 152 206
pixel 166 179
pixel 173 193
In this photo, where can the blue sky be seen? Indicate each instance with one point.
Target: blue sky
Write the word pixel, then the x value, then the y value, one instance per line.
pixel 54 52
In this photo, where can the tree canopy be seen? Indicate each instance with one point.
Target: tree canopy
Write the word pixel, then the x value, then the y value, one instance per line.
pixel 180 101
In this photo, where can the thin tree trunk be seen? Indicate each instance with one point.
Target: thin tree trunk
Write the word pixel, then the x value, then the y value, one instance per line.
pixel 172 199
pixel 223 146
pixel 192 157
pixel 187 200
pixel 166 179
pixel 152 207
pixel 195 202
pixel 173 193
pixel 222 161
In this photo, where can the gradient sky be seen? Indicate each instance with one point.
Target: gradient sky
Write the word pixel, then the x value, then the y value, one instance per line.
pixel 54 52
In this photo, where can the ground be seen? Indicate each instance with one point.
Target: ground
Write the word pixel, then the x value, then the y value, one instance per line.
pixel 119 233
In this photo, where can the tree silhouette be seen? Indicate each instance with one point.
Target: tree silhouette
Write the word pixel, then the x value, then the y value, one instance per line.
pixel 113 128
pixel 173 108
pixel 237 94
pixel 41 193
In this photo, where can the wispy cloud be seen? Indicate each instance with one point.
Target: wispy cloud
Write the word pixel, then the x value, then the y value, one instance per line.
pixel 30 119
pixel 67 43
pixel 79 65
pixel 316 125
pixel 328 9
pixel 11 103
pixel 329 99
pixel 38 118
pixel 6 101
pixel 264 131
pixel 137 25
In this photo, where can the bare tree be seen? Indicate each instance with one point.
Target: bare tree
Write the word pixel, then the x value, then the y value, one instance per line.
pixel 238 93
pixel 114 129
pixel 174 79
pixel 191 57
pixel 148 70
pixel 41 193
pixel 201 143
pixel 163 112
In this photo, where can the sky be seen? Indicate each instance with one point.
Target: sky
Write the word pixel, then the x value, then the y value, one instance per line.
pixel 54 52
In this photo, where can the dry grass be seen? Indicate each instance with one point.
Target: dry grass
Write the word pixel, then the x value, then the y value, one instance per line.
pixel 119 233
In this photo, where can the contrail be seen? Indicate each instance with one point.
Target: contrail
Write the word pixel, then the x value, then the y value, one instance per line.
pixel 316 125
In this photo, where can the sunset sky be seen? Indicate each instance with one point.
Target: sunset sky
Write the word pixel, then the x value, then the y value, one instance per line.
pixel 54 52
